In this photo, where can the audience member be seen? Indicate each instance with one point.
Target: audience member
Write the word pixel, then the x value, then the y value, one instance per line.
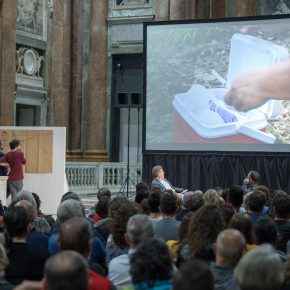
pixel 204 227
pixel 67 270
pixel 226 210
pixel 196 201
pixel 142 191
pixel 139 229
pixel 75 234
pixel 281 211
pixel 235 196
pixel 154 204
pixel 184 206
pixel 251 181
pixel 255 204
pixel 266 232
pixel 153 271
pixel 193 274
pixel 116 244
pixel 101 209
pixel 260 269
pixel 211 196
pixel 228 251
pixel 167 228
pixel 25 262
pixel 104 191
pixel 4 284
pixel 243 223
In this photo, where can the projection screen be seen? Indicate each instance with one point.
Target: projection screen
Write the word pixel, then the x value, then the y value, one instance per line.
pixel 190 66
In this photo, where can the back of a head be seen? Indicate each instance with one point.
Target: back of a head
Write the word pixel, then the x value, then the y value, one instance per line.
pixel 70 195
pixel 185 198
pixel 29 209
pixel 16 221
pixel 154 199
pixel 211 196
pixel 230 246
pixel 142 191
pixel 256 201
pixel 66 270
pixel 260 269
pixel 243 223
pixel 266 231
pixel 155 170
pixel 75 234
pixel 37 200
pixel 26 195
pixel 168 203
pixel 281 206
pixel 115 203
pixel 139 229
pixel 68 209
pixel 154 267
pixel 227 211
pixel 254 176
pixel 102 207
pixel 235 195
pixel 14 143
pixel 195 201
pixel 104 192
pixel 193 274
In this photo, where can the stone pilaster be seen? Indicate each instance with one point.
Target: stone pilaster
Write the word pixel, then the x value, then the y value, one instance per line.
pixel 246 7
pixel 177 9
pixel 7 61
pixel 162 10
pixel 97 84
pixel 60 65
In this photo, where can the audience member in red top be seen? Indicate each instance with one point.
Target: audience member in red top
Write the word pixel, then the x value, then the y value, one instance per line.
pixel 15 159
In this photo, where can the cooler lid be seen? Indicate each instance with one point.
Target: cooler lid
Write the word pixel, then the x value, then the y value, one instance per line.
pixel 251 53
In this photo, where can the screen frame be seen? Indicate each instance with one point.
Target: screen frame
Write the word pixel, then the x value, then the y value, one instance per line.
pixel 278 149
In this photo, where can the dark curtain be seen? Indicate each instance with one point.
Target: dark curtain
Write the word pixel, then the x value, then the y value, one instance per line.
pixel 204 170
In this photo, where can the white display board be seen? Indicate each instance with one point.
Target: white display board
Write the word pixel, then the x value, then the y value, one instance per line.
pixel 49 186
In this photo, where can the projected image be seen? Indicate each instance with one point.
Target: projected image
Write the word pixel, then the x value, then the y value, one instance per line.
pixel 190 69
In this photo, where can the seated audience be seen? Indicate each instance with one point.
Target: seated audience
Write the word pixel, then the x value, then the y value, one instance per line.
pixel 154 203
pixel 204 227
pixel 281 211
pixel 260 269
pixel 167 228
pixel 266 232
pixel 76 234
pixel 228 251
pixel 142 192
pixel 235 196
pixel 193 274
pixel 139 229
pixel 116 244
pixel 243 223
pixel 211 196
pixel 25 261
pixel 153 271
pixel 66 271
pixel 102 209
pixel 227 210
pixel 255 205
pixel 184 205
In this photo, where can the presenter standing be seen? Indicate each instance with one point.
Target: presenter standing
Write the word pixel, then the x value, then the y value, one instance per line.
pixel 15 159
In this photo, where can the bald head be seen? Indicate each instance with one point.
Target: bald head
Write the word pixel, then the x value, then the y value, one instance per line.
pixel 229 247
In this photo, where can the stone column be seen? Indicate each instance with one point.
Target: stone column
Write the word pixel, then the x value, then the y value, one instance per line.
pixel 177 9
pixel 246 7
pixel 60 66
pixel 76 77
pixel 218 8
pixel 7 61
pixel 162 10
pixel 97 84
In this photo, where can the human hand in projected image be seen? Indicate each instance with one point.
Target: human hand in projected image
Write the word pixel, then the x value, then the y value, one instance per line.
pixel 253 89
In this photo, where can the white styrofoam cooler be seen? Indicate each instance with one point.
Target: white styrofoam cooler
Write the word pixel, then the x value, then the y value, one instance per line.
pixel 204 109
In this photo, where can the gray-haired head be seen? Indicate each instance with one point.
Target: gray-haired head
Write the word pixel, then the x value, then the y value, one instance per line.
pixel 68 209
pixel 260 269
pixel 185 198
pixel 230 246
pixel 156 169
pixel 26 195
pixel 139 228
